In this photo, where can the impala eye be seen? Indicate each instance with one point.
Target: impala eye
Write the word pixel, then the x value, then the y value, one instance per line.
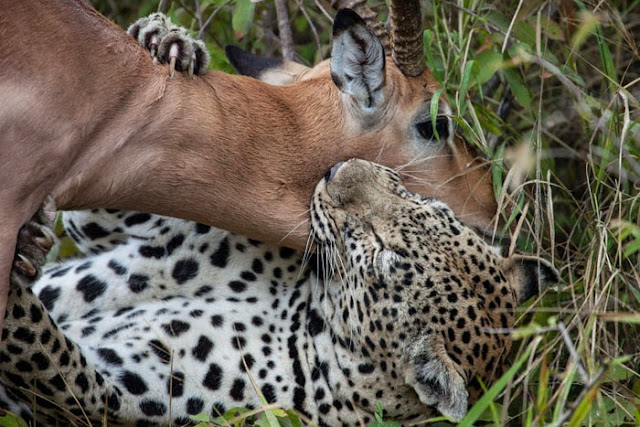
pixel 425 129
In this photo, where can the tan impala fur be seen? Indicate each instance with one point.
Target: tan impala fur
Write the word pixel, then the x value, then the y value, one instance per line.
pixel 87 117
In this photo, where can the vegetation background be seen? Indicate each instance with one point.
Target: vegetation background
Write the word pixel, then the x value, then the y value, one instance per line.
pixel 548 91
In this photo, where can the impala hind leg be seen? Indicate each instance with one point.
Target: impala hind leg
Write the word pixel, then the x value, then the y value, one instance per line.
pixel 170 44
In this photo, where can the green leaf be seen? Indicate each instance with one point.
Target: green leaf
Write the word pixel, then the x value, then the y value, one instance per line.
pixel 379 421
pixel 294 419
pixel 434 111
pixel 219 60
pixel 584 407
pixel 10 420
pixel 489 120
pixel 632 247
pixel 606 58
pixel 205 3
pixel 635 293
pixel 434 64
pixel 551 29
pixel 236 412
pixel 543 390
pixel 561 401
pixel 279 412
pixel 486 65
pixel 587 26
pixel 243 16
pixel 201 417
pixel 263 421
pixel 520 91
pixel 499 20
pixel 497 175
pixel 468 69
pixel 525 33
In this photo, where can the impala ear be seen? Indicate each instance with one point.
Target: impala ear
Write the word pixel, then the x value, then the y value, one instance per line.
pixel 274 71
pixel 529 275
pixel 357 61
pixel 433 376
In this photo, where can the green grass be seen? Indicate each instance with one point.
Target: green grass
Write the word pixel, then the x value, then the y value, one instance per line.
pixel 572 78
pixel 576 115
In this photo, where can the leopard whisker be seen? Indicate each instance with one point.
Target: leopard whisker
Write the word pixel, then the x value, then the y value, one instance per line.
pixel 306 256
pixel 300 224
pixel 419 159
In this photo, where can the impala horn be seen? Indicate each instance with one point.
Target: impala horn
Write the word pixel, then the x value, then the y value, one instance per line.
pixel 407 43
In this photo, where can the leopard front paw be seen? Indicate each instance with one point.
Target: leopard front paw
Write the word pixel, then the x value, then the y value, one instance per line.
pixel 35 240
pixel 170 44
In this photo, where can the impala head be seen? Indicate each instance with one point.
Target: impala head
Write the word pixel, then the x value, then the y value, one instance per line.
pixel 386 102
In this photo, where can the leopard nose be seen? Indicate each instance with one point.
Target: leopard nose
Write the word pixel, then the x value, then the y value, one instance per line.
pixel 332 172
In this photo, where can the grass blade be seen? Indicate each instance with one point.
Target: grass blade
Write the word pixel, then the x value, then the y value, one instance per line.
pixel 478 409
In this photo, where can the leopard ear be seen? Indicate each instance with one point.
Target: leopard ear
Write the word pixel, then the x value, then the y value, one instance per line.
pixel 529 275
pixel 435 379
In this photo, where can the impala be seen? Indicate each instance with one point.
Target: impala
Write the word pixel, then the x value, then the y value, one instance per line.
pixel 87 117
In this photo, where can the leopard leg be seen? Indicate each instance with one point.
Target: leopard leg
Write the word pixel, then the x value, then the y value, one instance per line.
pixel 39 365
pixel 48 371
pixel 170 44
pixel 35 240
pixel 22 256
pixel 8 239
pixel 101 230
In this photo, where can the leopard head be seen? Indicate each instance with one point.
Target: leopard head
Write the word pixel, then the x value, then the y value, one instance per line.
pixel 418 295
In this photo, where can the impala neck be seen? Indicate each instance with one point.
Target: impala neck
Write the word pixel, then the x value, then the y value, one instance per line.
pixel 221 147
pixel 96 124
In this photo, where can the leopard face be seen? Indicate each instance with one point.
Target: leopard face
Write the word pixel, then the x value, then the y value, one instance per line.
pixel 415 287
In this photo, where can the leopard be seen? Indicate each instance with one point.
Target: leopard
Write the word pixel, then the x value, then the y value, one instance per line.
pixel 402 307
